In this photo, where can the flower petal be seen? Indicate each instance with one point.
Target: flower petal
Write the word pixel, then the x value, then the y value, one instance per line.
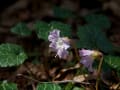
pixel 62 53
pixel 84 52
pixel 87 61
pixel 61 44
pixel 54 35
pixel 52 45
pixel 66 46
pixel 66 43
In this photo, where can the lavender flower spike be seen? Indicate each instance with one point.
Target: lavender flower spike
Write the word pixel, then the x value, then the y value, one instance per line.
pixel 59 44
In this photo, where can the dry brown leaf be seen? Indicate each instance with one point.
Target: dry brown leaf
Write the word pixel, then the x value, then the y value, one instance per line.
pixel 80 78
pixel 115 87
pixel 114 6
pixel 52 72
pixel 66 70
pixel 37 70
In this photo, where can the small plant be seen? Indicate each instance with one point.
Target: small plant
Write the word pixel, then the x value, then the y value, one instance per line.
pixel 89 55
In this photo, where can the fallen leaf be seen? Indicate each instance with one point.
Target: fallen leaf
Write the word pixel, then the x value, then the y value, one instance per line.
pixel 80 78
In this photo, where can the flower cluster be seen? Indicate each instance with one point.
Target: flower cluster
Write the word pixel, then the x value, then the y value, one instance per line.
pixel 59 44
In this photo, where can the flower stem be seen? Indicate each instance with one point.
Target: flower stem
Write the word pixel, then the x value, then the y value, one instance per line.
pixel 77 56
pixel 73 43
pixel 98 72
pixel 76 53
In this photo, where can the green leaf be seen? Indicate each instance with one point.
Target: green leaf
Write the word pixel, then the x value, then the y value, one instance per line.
pixel 91 37
pixel 69 86
pixel 21 29
pixel 11 55
pixel 78 88
pixel 64 28
pixel 98 20
pixel 63 13
pixel 48 86
pixel 42 29
pixel 8 86
pixel 113 61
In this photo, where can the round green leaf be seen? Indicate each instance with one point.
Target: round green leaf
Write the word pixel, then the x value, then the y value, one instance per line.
pixel 98 20
pixel 42 29
pixel 92 37
pixel 8 86
pixel 113 61
pixel 11 55
pixel 21 29
pixel 48 86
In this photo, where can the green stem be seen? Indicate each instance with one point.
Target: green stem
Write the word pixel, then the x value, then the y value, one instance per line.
pixel 98 72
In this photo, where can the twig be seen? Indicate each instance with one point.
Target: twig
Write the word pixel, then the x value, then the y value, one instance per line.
pixel 33 86
pixel 58 82
pixel 28 77
pixel 73 81
pixel 99 70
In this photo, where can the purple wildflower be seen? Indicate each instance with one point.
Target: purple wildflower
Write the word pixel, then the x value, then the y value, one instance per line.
pixel 59 44
pixel 87 59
